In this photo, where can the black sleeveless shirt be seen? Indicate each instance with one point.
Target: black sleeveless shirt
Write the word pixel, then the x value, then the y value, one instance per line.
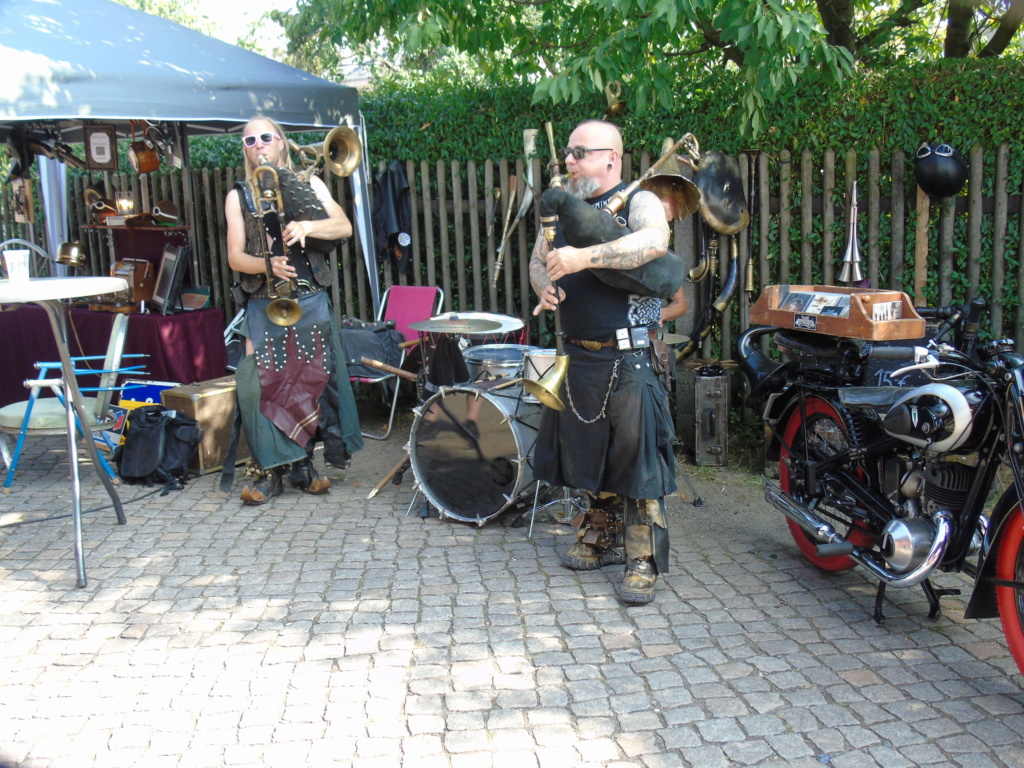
pixel 592 309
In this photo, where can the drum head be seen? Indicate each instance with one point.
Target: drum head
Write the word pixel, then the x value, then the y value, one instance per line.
pixel 471 450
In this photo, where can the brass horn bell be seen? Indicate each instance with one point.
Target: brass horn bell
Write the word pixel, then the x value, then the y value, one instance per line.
pixel 341 152
pixel 616 106
pixel 547 388
pixel 677 193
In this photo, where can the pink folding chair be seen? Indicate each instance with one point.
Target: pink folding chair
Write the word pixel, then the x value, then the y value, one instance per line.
pixel 404 304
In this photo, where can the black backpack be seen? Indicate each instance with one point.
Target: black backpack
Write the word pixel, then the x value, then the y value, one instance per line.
pixel 158 445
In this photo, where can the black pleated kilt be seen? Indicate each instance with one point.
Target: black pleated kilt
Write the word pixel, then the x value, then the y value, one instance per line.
pixel 629 451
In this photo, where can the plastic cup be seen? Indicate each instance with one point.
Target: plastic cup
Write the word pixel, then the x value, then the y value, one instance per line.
pixel 17 265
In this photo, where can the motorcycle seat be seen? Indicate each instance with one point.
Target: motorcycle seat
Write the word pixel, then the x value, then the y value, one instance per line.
pixel 870 398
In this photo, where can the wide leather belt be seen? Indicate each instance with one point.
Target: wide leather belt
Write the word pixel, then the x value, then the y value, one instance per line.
pixel 593 346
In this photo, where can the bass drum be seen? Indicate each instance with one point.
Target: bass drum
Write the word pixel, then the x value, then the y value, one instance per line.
pixel 471 450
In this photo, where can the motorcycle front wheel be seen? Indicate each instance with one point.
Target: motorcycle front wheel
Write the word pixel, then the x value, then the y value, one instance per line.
pixel 1010 567
pixel 823 432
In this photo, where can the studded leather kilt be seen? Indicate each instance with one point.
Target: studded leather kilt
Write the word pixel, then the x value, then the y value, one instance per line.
pixel 294 389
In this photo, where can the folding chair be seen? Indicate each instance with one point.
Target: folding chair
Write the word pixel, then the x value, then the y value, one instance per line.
pixel 404 304
pixel 46 416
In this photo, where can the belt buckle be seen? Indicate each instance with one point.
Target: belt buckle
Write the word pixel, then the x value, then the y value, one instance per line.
pixel 592 346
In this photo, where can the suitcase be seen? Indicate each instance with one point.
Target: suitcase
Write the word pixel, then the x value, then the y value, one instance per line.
pixel 711 417
pixel 212 404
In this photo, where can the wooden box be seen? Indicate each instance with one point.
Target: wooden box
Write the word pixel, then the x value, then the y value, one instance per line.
pixel 212 404
pixel 853 313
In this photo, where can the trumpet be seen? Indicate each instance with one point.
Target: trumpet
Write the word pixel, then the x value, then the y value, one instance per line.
pixel 341 152
pixel 283 310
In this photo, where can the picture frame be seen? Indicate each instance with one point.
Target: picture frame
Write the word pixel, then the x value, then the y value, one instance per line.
pixel 167 294
pixel 23 204
pixel 100 147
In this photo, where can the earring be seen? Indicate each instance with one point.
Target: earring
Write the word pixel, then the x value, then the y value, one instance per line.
pixel 609 166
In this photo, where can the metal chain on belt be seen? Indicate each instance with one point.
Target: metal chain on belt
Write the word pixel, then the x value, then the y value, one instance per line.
pixel 604 406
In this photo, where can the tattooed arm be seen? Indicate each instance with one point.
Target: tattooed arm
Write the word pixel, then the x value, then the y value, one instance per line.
pixel 647 241
pixel 539 276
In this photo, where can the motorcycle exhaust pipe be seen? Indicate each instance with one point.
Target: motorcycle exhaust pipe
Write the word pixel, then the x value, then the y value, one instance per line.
pixel 835 545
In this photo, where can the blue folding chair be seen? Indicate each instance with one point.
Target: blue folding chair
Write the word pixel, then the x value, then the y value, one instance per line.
pixel 46 415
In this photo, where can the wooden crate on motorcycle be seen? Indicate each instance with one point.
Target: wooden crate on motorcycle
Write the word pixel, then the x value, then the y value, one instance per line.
pixel 853 313
pixel 212 404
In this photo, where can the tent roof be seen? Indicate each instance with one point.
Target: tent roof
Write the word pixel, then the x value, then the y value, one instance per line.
pixel 69 61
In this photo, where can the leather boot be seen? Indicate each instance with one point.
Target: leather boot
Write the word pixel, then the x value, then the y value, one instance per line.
pixel 638 580
pixel 267 485
pixel 305 477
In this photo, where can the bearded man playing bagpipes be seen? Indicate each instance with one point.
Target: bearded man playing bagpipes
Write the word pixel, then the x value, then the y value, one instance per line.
pixel 292 382
pixel 614 437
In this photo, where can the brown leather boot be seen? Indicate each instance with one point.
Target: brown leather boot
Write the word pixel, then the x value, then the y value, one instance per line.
pixel 638 580
pixel 583 557
pixel 305 477
pixel 266 486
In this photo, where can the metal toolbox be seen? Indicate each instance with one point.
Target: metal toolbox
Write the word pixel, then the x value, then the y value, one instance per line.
pixel 212 404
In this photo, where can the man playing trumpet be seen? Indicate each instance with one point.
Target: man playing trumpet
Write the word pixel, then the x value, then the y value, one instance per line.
pixel 614 438
pixel 292 382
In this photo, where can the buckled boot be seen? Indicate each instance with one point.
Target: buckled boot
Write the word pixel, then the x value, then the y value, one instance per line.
pixel 638 580
pixel 598 539
pixel 265 486
pixel 305 477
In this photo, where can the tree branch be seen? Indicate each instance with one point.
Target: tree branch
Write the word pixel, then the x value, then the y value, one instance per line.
pixel 1008 26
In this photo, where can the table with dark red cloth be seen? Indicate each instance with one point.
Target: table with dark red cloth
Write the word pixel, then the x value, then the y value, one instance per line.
pixel 185 347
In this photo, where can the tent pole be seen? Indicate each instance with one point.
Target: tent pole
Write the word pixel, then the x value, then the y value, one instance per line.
pixel 188 199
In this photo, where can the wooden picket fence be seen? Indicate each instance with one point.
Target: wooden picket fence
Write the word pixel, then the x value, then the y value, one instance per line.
pixel 943 251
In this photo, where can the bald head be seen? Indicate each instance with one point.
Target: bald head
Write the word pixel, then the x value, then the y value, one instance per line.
pixel 600 168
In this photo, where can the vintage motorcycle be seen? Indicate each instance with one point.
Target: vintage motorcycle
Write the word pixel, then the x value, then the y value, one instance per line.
pixel 894 456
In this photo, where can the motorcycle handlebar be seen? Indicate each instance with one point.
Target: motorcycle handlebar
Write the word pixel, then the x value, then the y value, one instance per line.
pixel 893 353
pixel 936 313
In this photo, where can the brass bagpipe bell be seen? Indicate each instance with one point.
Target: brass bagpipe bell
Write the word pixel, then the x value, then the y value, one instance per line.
pixel 852 272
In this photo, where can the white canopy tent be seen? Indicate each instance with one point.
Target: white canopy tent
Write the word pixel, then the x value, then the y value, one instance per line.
pixel 71 63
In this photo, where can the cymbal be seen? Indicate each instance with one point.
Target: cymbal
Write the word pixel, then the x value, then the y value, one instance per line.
pixel 506 323
pixel 675 338
pixel 456 323
pixel 711 363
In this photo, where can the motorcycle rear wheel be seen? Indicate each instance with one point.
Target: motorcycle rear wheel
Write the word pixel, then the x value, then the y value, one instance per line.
pixel 1010 567
pixel 827 433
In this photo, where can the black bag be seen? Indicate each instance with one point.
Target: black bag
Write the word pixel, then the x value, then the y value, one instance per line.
pixel 377 340
pixel 158 445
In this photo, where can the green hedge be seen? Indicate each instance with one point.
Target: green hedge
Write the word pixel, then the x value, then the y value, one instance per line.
pixel 959 101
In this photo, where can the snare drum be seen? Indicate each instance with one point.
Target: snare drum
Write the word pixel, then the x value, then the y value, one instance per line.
pixel 471 450
pixel 496 361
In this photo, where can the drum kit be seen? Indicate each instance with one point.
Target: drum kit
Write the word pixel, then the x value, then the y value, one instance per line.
pixel 471 443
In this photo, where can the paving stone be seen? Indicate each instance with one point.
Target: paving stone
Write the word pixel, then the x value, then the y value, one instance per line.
pixel 336 630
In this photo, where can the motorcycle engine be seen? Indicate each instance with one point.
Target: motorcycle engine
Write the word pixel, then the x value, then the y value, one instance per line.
pixel 942 485
pixel 936 417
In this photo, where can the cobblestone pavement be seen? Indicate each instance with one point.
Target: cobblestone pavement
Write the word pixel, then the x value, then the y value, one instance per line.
pixel 338 631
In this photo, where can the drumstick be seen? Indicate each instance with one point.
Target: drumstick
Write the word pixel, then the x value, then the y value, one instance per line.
pixel 388 368
pixel 410 343
pixel 399 467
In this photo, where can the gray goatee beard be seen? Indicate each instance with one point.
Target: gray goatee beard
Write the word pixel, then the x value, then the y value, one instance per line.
pixel 583 186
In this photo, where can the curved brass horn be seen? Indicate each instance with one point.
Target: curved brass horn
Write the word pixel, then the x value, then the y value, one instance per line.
pixel 677 193
pixel 341 152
